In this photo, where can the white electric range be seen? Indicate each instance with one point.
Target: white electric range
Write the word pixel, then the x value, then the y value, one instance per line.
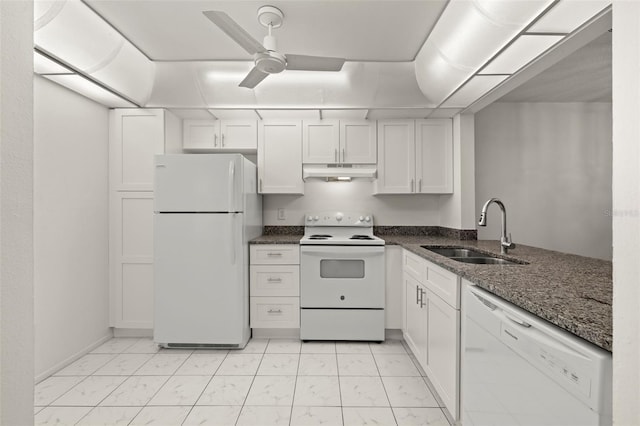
pixel 342 278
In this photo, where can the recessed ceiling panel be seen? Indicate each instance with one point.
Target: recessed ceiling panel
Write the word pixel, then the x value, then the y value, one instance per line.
pixel 173 30
pixel 519 53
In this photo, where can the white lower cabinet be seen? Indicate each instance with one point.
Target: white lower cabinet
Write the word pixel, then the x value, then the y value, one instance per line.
pixel 274 286
pixel 432 325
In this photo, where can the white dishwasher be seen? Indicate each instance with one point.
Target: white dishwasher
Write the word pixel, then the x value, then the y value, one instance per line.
pixel 518 369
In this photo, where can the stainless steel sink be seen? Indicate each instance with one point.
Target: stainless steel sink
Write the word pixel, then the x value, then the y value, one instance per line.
pixel 465 255
pixel 456 252
pixel 484 260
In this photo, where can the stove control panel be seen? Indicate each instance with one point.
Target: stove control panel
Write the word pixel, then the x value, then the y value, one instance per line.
pixel 339 219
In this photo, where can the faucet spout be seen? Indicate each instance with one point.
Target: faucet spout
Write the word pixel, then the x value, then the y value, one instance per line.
pixel 505 240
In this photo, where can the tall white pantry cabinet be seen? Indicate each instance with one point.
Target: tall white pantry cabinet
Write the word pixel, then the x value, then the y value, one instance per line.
pixel 136 135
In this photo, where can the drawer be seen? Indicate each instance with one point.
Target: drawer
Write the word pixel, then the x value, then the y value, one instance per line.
pixel 275 254
pixel 443 283
pixel 275 312
pixel 414 265
pixel 275 280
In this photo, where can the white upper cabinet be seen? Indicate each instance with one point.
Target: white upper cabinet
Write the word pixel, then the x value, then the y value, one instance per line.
pixel 220 135
pixel 396 154
pixel 358 141
pixel 339 141
pixel 280 157
pixel 320 141
pixel 415 157
pixel 434 156
pixel 136 136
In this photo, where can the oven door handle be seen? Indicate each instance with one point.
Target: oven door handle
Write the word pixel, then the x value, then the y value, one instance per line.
pixel 333 252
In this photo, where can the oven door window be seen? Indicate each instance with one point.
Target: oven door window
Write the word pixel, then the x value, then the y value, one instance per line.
pixel 342 268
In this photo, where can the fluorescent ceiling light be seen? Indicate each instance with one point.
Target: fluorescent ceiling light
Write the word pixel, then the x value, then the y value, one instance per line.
pixel 521 52
pixel 90 90
pixel 473 90
pixel 467 35
pixel 568 15
pixel 44 65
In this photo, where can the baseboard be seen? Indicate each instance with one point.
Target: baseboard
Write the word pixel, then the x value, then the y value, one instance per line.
pixel 294 333
pixel 40 377
pixel 132 332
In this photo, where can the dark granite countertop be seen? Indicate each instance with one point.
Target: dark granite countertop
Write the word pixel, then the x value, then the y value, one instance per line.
pixel 572 292
pixel 277 239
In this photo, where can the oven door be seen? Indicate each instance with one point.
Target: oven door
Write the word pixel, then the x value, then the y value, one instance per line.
pixel 342 277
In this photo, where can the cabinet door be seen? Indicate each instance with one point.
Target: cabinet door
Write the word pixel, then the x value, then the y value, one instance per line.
pixel 434 156
pixel 200 135
pixel 280 157
pixel 396 152
pixel 136 136
pixel 358 142
pixel 415 313
pixel 239 135
pixel 320 142
pixel 131 259
pixel 443 349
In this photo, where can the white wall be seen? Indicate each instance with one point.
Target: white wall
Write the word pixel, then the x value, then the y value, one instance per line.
pixel 16 213
pixel 626 208
pixel 352 196
pixel 71 224
pixel 550 163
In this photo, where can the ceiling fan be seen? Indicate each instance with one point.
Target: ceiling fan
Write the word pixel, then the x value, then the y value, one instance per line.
pixel 266 57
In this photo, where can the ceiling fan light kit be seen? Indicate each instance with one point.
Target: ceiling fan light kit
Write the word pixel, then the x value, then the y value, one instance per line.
pixel 266 58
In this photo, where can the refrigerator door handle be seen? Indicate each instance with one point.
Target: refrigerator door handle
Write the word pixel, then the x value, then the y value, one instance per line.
pixel 232 186
pixel 232 229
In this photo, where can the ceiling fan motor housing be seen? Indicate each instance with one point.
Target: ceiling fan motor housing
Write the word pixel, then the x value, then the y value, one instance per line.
pixel 270 62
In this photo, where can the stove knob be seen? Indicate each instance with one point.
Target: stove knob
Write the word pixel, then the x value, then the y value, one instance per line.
pixel 361 218
pixel 339 216
pixel 367 219
pixel 309 218
pixel 316 218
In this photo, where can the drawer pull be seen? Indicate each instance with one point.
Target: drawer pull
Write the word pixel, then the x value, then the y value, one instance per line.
pixel 275 311
pixel 274 280
pixel 274 254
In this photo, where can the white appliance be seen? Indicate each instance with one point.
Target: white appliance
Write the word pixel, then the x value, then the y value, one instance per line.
pixel 206 210
pixel 342 273
pixel 518 369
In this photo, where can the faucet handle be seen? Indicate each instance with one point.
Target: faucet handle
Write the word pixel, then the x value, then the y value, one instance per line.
pixel 509 243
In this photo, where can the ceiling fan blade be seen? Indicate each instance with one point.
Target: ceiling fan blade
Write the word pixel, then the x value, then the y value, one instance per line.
pixel 313 63
pixel 252 79
pixel 235 31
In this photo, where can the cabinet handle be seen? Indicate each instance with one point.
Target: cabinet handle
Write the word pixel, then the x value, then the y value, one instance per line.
pixel 422 293
pixel 223 140
pixel 343 157
pixel 275 311
pixel 215 140
pixel 420 185
pixel 335 155
pixel 417 295
pixel 274 254
pixel 274 280
pixel 412 182
pixel 260 184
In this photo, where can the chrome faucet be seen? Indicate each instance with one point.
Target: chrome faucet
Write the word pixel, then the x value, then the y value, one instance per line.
pixel 505 242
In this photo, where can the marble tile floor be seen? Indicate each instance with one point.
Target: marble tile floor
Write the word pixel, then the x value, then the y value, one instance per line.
pixel 130 381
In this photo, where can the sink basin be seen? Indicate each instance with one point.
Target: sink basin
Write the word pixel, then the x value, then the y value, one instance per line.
pixel 465 255
pixel 456 252
pixel 484 260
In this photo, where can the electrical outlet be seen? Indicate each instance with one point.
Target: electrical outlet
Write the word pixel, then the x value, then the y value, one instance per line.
pixel 281 214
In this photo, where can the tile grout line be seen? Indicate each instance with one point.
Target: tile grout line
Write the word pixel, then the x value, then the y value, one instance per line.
pixel 252 381
pixel 375 361
pixel 295 385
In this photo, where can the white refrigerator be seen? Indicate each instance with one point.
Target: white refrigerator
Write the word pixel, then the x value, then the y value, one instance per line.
pixel 206 209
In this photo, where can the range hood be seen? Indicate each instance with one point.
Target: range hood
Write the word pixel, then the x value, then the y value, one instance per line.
pixel 339 172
